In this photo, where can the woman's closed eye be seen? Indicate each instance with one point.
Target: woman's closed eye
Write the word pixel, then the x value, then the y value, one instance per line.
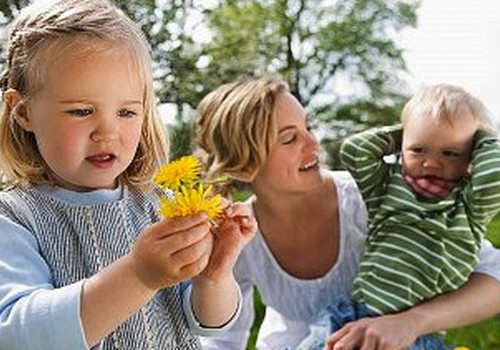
pixel 288 137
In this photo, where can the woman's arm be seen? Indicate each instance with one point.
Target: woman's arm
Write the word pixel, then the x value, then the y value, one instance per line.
pixel 477 300
pixel 215 297
pixel 236 336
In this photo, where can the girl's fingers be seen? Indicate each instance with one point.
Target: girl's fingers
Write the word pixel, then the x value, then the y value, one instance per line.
pixel 194 252
pixel 195 267
pixel 171 226
pixel 184 239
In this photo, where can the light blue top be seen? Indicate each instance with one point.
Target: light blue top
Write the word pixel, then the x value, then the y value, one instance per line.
pixel 34 314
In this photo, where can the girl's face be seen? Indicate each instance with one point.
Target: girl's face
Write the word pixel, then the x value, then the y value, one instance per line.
pixel 87 117
pixel 292 164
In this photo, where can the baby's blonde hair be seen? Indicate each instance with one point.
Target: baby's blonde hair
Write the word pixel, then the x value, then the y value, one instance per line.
pixel 41 32
pixel 236 126
pixel 445 102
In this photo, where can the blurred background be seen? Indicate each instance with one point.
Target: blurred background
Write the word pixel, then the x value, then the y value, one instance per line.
pixel 342 59
pixel 352 64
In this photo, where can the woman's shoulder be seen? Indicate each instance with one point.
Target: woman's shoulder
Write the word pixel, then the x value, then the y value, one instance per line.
pixel 344 183
pixel 352 209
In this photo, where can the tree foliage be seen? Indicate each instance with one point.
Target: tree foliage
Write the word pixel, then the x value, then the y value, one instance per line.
pixel 340 57
pixel 9 8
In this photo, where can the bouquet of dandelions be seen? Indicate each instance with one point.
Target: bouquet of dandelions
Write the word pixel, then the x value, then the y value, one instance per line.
pixel 185 192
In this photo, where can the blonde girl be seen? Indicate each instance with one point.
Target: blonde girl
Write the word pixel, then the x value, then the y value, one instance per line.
pixel 85 260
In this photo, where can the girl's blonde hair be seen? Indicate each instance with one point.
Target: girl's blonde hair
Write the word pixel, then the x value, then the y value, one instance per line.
pixel 46 29
pixel 445 102
pixel 236 126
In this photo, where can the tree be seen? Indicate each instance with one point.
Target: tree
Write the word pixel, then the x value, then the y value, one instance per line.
pixel 174 53
pixel 318 47
pixel 340 57
pixel 166 25
pixel 9 8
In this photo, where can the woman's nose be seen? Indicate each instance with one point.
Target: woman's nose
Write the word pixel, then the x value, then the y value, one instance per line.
pixel 311 141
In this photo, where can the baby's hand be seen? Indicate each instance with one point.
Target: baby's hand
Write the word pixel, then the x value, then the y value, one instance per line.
pixel 171 251
pixel 236 228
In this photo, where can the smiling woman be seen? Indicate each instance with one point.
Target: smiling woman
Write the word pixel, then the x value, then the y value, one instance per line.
pixel 86 260
pixel 312 226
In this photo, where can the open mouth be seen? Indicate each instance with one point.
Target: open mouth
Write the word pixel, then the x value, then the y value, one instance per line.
pixel 310 165
pixel 437 180
pixel 102 160
pixel 431 177
pixel 102 157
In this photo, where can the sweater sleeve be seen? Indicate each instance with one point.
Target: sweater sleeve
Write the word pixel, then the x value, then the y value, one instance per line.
pixel 236 336
pixel 483 190
pixel 33 314
pixel 363 156
pixel 198 328
pixel 489 260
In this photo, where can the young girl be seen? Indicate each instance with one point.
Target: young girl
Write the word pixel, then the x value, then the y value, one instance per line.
pixel 85 261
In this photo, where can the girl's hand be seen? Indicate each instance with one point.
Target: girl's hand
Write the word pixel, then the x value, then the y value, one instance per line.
pixel 389 332
pixel 171 251
pixel 236 228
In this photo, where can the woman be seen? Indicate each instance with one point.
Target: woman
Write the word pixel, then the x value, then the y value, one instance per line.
pixel 311 228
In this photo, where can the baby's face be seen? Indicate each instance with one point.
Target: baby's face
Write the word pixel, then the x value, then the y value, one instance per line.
pixel 437 149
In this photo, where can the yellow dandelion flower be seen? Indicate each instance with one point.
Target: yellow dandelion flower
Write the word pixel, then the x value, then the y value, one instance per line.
pixel 462 348
pixel 192 200
pixel 181 171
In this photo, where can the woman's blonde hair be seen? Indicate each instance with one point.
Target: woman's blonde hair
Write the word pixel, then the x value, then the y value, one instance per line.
pixel 46 29
pixel 236 126
pixel 445 102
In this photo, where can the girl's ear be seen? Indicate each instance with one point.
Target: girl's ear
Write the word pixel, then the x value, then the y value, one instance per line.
pixel 19 112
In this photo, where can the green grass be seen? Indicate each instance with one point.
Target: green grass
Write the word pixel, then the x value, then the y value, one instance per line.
pixel 482 336
pixel 485 335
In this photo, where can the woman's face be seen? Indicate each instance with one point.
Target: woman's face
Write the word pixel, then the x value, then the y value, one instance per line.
pixel 292 164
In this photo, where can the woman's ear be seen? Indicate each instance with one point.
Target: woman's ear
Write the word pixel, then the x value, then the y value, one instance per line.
pixel 19 112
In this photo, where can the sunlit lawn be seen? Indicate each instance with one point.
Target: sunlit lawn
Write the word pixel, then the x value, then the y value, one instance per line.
pixel 486 335
pixel 483 336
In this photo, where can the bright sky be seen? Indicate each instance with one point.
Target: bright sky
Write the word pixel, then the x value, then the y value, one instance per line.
pixel 458 42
